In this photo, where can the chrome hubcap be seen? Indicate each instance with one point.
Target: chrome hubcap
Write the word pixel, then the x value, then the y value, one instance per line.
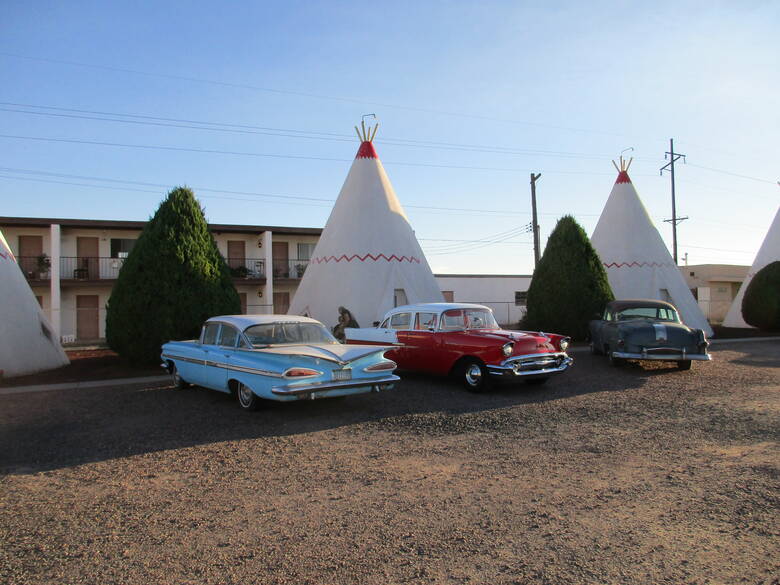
pixel 473 375
pixel 244 395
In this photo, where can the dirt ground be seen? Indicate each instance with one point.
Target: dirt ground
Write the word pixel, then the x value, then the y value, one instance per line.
pixel 85 365
pixel 603 476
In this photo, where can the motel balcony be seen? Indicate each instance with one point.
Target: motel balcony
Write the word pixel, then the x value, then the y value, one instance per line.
pixel 91 270
pixel 290 269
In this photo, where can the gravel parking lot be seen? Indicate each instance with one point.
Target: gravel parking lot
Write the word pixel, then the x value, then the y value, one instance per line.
pixel 603 476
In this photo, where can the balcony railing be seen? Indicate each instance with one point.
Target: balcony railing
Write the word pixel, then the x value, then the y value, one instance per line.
pixel 35 267
pixel 99 268
pixel 290 268
pixel 90 268
pixel 246 267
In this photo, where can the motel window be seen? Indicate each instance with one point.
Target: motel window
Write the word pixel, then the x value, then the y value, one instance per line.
pixel 521 297
pixel 449 296
pixel 121 247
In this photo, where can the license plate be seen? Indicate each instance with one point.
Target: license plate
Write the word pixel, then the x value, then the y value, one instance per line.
pixel 342 375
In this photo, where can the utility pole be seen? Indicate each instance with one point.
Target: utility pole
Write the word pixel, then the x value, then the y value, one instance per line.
pixel 673 157
pixel 534 222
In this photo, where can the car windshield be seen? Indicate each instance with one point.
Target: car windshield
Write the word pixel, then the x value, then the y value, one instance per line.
pixel 655 313
pixel 288 332
pixel 457 319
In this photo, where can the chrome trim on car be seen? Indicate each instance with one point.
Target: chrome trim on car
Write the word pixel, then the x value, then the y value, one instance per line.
pixel 232 367
pixel 323 386
pixel 540 364
pixel 662 354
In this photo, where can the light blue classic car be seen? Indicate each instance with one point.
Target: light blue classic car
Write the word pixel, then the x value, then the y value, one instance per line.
pixel 276 357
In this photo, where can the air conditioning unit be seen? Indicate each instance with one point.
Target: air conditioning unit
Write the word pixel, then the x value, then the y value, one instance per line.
pixel 68 338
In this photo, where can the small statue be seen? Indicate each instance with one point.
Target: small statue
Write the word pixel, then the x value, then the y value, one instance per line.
pixel 345 320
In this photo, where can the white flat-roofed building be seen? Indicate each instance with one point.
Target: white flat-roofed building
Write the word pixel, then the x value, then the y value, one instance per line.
pixel 504 293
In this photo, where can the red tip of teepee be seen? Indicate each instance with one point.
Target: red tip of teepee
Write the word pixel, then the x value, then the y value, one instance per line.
pixel 366 150
pixel 623 177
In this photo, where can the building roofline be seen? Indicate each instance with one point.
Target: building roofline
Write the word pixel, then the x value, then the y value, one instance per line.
pixel 482 275
pixel 112 224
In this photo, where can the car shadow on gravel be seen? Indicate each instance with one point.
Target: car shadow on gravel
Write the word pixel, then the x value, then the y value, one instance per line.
pixel 50 430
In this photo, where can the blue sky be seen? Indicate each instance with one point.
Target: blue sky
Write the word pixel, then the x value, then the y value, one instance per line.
pixel 471 98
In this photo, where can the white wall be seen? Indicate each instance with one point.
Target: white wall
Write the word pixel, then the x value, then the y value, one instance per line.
pixel 495 291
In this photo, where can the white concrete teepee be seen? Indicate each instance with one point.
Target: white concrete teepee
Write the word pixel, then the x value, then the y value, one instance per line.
pixel 27 342
pixel 768 252
pixel 368 258
pixel 637 261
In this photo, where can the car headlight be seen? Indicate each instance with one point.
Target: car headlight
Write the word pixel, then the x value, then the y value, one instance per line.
pixel 507 348
pixel 564 343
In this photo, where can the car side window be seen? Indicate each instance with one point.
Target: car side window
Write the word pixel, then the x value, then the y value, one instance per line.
pixel 384 324
pixel 607 316
pixel 210 333
pixel 401 321
pixel 452 320
pixel 228 336
pixel 425 321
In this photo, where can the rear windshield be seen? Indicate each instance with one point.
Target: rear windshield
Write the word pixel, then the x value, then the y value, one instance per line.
pixel 657 313
pixel 289 332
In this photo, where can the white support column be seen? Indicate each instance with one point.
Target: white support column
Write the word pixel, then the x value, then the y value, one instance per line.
pixel 268 295
pixel 54 283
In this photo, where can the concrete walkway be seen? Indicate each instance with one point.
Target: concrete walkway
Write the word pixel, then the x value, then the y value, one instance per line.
pixel 157 379
pixel 84 385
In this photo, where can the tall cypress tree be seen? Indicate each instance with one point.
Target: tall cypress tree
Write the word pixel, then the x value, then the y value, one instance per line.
pixel 569 284
pixel 761 303
pixel 173 279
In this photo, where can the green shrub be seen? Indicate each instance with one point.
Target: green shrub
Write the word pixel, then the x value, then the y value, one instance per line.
pixel 569 284
pixel 761 303
pixel 173 279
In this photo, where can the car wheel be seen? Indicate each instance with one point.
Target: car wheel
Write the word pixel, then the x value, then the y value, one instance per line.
pixel 247 399
pixel 178 381
pixel 684 364
pixel 473 375
pixel 615 361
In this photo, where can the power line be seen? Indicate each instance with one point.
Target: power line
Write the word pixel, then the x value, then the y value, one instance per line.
pixel 270 155
pixel 281 132
pixel 328 201
pixel 306 94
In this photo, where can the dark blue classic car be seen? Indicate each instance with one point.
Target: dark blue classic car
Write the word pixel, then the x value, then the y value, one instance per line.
pixel 646 330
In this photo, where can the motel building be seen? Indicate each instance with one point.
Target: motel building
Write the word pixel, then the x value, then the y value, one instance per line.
pixel 72 265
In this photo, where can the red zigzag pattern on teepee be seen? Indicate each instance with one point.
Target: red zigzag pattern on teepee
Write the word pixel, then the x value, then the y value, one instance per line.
pixel 344 257
pixel 635 264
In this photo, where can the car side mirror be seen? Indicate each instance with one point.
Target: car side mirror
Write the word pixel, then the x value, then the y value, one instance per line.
pixel 431 329
pixel 376 323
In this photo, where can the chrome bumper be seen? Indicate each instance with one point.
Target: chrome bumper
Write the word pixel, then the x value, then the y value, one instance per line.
pixel 657 355
pixel 541 364
pixel 310 389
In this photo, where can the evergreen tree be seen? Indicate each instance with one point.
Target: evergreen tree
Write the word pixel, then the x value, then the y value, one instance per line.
pixel 761 303
pixel 173 279
pixel 569 285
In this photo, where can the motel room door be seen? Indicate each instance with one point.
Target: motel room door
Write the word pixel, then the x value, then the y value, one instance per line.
pixel 87 317
pixel 87 250
pixel 281 258
pixel 281 303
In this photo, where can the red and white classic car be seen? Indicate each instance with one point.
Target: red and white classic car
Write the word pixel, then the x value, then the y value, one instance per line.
pixel 464 340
